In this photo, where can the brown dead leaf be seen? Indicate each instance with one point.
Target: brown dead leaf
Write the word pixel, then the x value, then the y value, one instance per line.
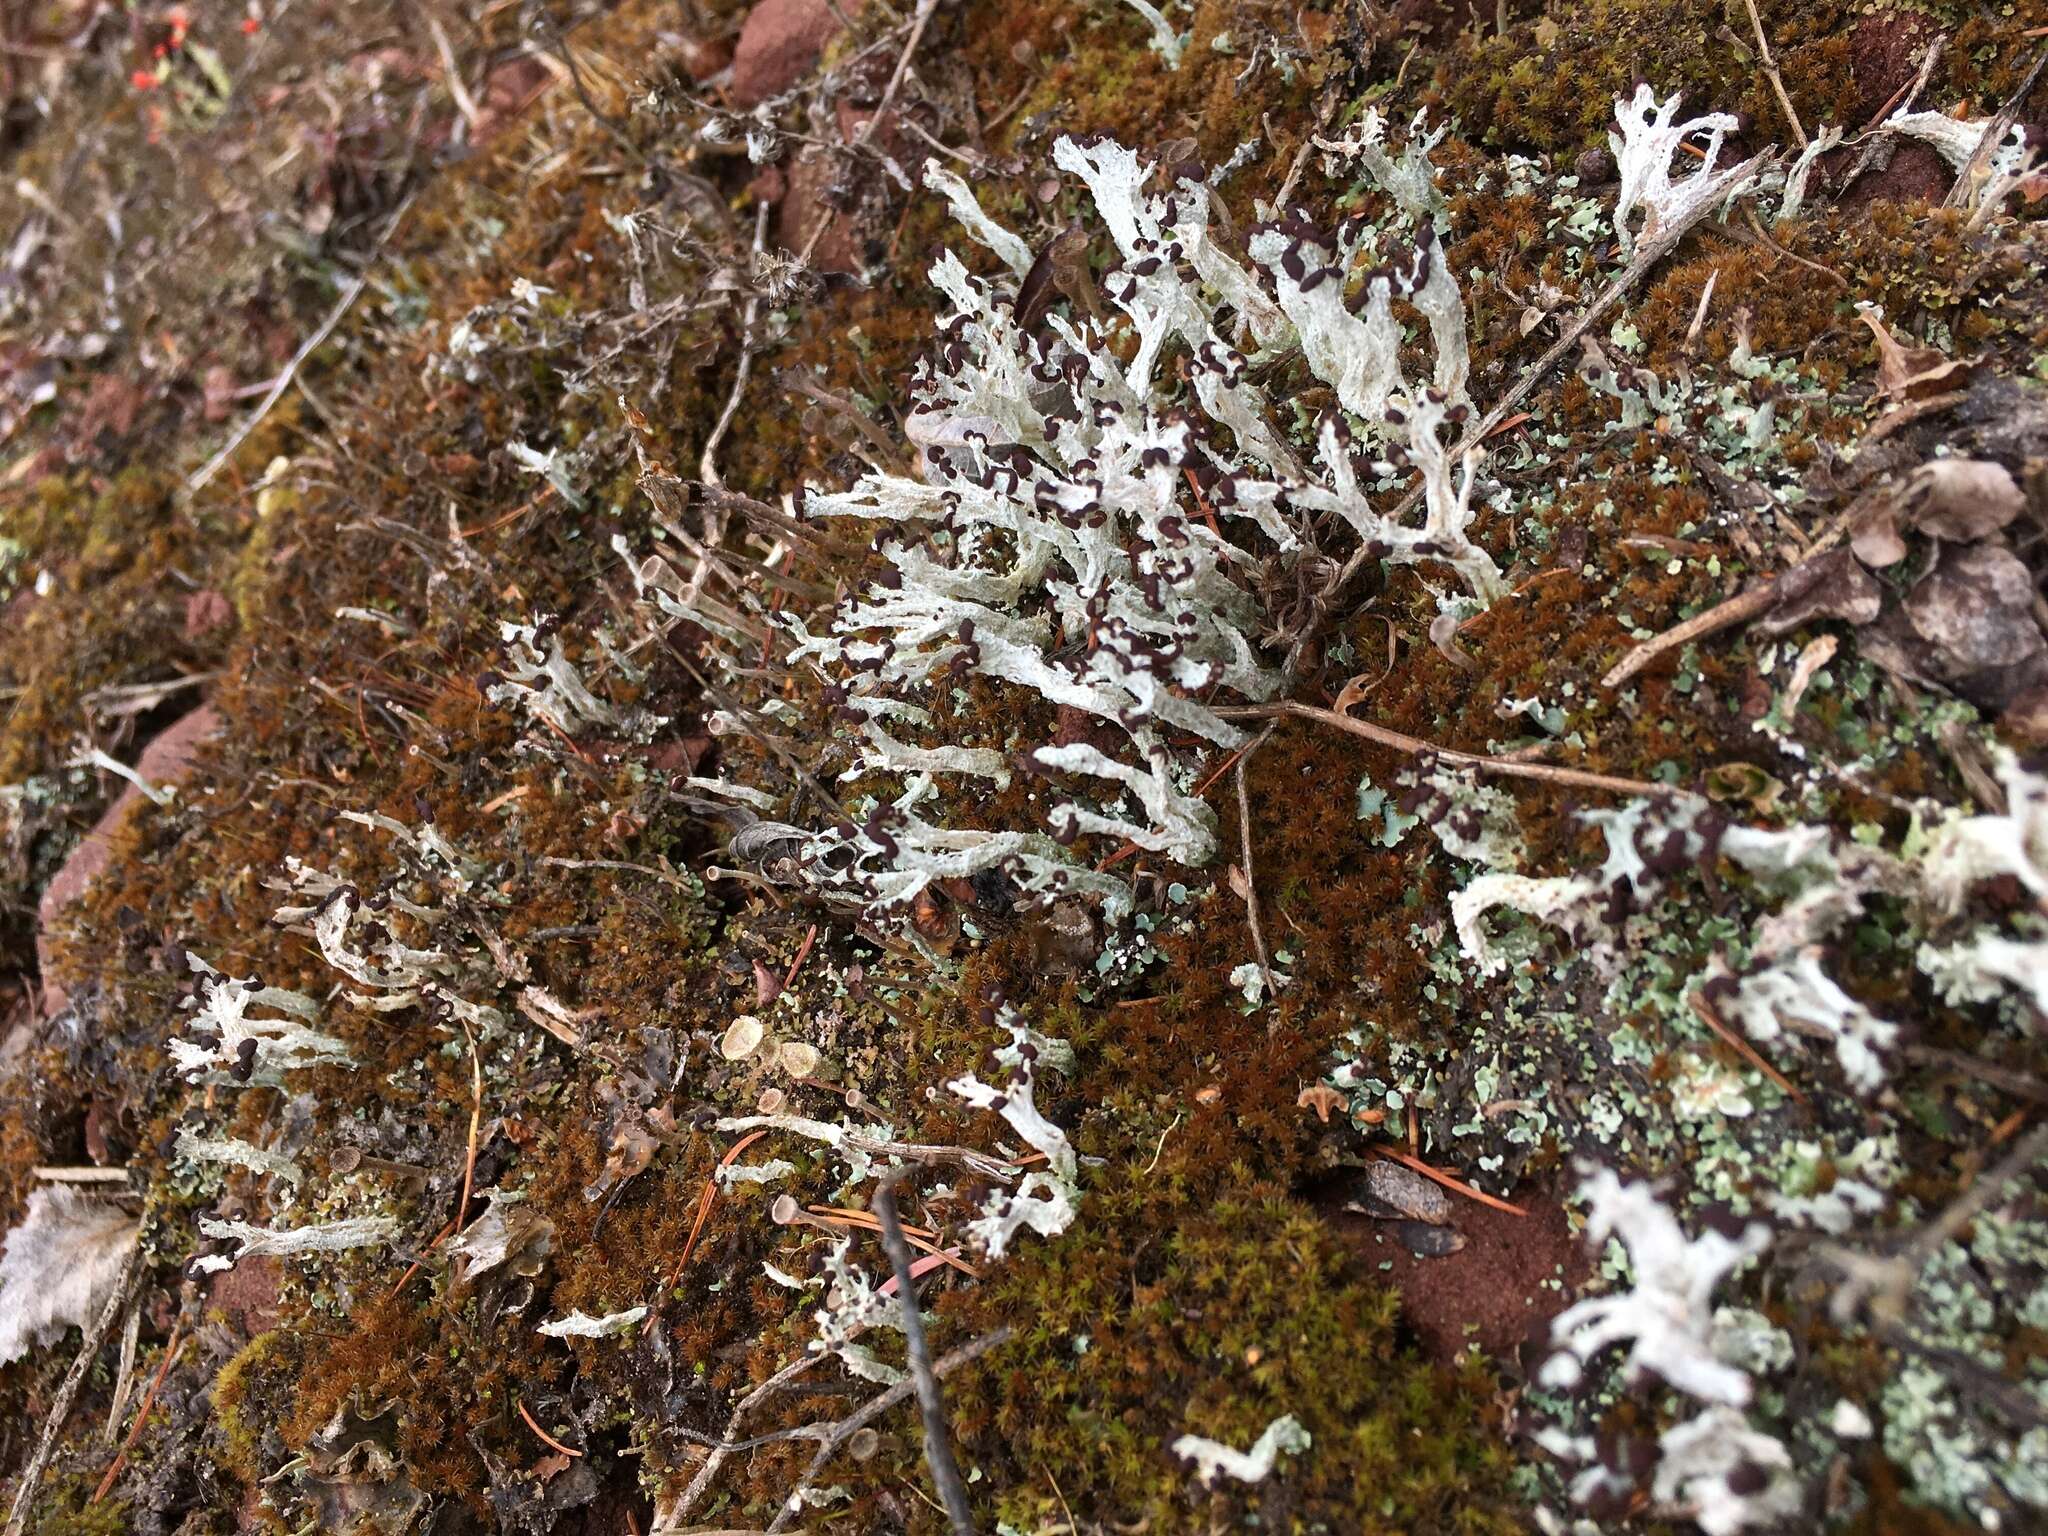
pixel 1912 373
pixel 1830 586
pixel 1975 608
pixel 1874 536
pixel 1322 1098
pixel 1962 500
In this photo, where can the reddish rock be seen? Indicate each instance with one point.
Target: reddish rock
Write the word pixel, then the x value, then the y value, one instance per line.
pixel 205 612
pixel 1495 1291
pixel 703 57
pixel 1884 55
pixel 165 760
pixel 248 1293
pixel 780 43
pixel 1917 174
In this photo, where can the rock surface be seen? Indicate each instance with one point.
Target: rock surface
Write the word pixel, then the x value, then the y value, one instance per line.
pixel 165 760
pixel 779 43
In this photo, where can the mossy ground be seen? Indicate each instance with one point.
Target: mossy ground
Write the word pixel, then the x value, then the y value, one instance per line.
pixel 1200 1292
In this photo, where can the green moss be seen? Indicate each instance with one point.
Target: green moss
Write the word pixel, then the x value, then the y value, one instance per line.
pixel 64 1508
pixel 1212 1318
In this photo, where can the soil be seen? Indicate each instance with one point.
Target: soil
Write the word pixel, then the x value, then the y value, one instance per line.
pixel 1498 1290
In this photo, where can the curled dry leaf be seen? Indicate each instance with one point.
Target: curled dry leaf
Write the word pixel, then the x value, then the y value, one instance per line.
pixel 59 1266
pixel 1830 586
pixel 1874 536
pixel 1912 373
pixel 1322 1098
pixel 1962 500
pixel 508 1234
pixel 1817 653
pixel 1744 783
pixel 1975 608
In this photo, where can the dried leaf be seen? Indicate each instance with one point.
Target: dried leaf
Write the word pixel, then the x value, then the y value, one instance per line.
pixel 1061 268
pixel 1962 500
pixel 1874 537
pixel 59 1267
pixel 1975 608
pixel 1817 653
pixel 1322 1098
pixel 1912 373
pixel 1830 586
pixel 509 1234
pixel 1744 782
pixel 1355 689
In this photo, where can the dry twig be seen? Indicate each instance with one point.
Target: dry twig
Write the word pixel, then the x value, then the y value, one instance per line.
pixel 1771 73
pixel 938 1448
pixel 283 382
pixel 1415 746
pixel 874 1408
pixel 1723 615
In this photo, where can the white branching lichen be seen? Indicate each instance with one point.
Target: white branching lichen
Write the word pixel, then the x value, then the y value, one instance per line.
pixel 1047 1200
pixel 580 1325
pixel 227 1040
pixel 853 1305
pixel 1166 42
pixel 1797 995
pixel 535 674
pixel 1650 135
pixel 295 1242
pixel 1213 1459
pixel 1667 1319
pixel 1956 140
pixel 1082 528
pixel 237 1153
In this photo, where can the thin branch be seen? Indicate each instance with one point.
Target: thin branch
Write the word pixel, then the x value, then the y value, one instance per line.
pixel 1886 1284
pixel 867 129
pixel 156 1383
pixel 1738 609
pixel 938 1447
pixel 1771 73
pixel 1966 185
pixel 1251 884
pixel 2018 1084
pixel 669 1521
pixel 1415 746
pixel 451 71
pixel 873 1409
pixel 1648 253
pixel 707 464
pixel 283 382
